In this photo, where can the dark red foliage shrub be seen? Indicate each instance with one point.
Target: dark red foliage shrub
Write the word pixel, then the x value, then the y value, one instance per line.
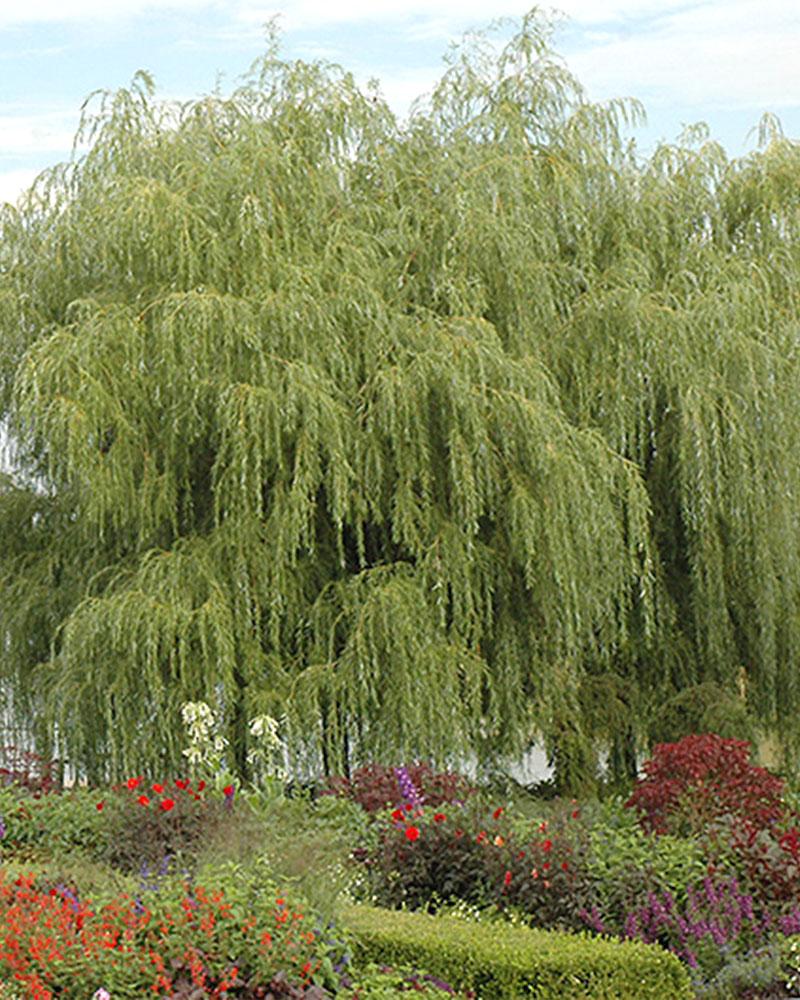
pixel 689 785
pixel 375 786
pixel 28 770
pixel 426 857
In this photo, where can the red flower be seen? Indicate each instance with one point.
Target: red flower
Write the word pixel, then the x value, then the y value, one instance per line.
pixel 143 800
pixel 200 786
pixel 412 833
pixel 397 814
pixel 576 813
pixel 99 806
pixel 166 805
pixel 564 866
pixel 408 807
pixel 507 878
pixel 498 812
pixel 228 791
pixel 181 783
pixel 458 833
pixel 439 817
pixel 134 782
pixel 158 789
pixel 547 845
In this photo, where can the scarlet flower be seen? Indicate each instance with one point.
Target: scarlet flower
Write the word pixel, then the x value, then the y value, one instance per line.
pixel 166 805
pixel 228 791
pixel 134 782
pixel 564 866
pixel 99 806
pixel 200 786
pixel 181 783
pixel 397 814
pixel 547 845
pixel 412 833
pixel 143 800
pixel 545 866
pixel 498 812
pixel 158 789
pixel 507 878
pixel 439 817
pixel 576 813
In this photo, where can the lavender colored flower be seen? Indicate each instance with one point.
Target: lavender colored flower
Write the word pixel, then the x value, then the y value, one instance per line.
pixel 407 787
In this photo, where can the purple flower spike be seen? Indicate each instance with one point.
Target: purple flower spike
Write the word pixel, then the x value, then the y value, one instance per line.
pixel 407 787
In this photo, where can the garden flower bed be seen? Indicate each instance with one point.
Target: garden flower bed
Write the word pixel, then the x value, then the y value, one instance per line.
pixel 188 888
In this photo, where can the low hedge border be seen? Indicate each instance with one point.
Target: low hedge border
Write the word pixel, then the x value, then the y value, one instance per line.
pixel 498 962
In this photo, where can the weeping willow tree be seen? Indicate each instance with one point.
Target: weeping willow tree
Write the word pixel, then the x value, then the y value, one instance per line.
pixel 431 437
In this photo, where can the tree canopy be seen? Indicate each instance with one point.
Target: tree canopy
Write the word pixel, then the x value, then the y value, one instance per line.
pixel 431 436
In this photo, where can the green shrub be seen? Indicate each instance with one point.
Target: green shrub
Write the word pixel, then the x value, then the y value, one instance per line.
pixel 626 863
pixel 51 824
pixel 507 962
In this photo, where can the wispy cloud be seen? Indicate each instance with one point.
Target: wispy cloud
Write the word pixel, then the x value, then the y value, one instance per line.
pixel 24 133
pixel 90 11
pixel 739 54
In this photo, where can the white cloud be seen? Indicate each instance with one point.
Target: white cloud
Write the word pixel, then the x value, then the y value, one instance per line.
pixel 14 182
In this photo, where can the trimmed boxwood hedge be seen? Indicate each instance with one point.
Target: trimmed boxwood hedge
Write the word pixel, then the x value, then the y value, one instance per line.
pixel 498 961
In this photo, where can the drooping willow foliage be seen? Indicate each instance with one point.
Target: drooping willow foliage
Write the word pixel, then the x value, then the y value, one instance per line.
pixel 433 437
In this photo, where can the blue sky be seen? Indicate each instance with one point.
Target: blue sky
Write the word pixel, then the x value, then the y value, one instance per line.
pixel 721 61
